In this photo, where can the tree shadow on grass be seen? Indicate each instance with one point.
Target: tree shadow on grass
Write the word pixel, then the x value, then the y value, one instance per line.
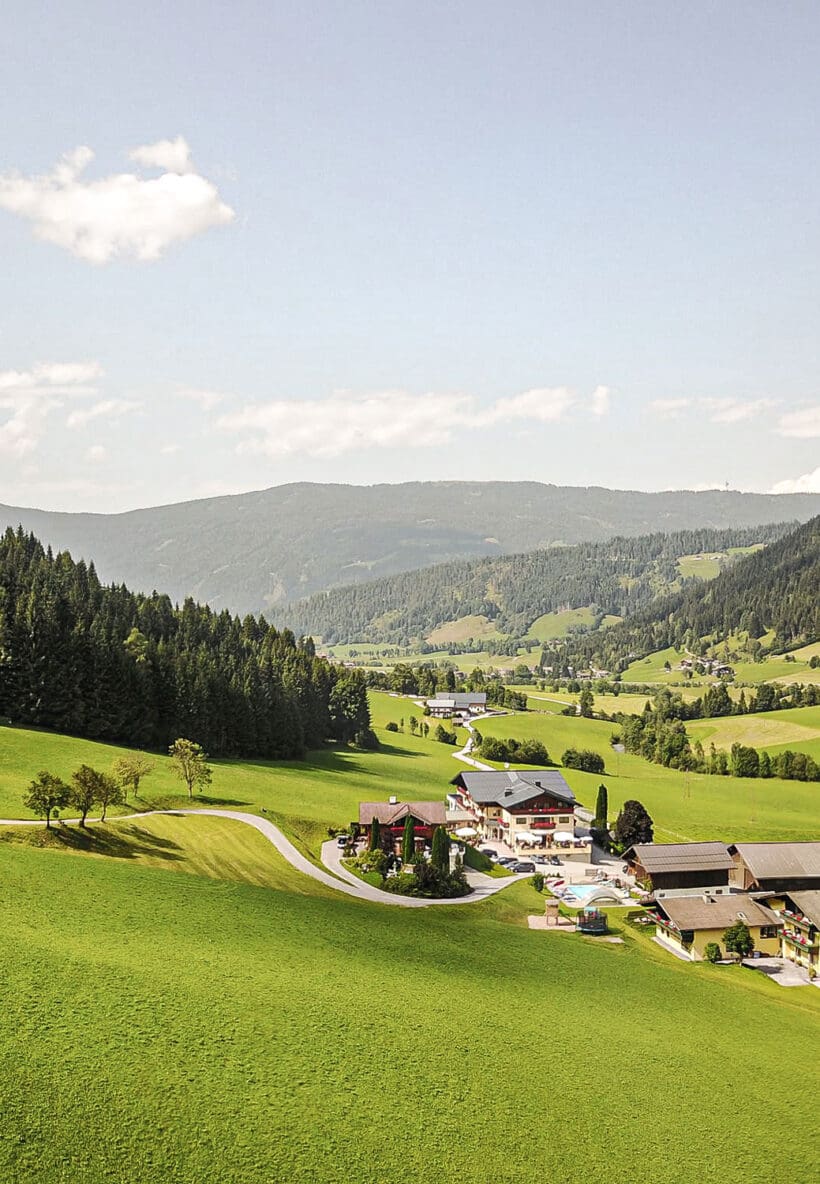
pixel 333 760
pixel 124 843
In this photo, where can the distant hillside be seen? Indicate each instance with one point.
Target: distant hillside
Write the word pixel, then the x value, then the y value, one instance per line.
pixel 508 594
pixel 772 595
pixel 250 551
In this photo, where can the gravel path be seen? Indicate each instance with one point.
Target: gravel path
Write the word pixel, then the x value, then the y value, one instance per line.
pixel 341 881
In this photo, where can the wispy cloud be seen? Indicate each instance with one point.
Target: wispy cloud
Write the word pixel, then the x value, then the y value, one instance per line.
pixel 807 483
pixel 104 409
pixel 123 215
pixel 600 401
pixel 207 400
pixel 734 410
pixel 96 453
pixel 29 396
pixel 801 425
pixel 669 408
pixel 347 422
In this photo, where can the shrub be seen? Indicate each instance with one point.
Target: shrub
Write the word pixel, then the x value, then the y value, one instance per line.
pixel 443 736
pixel 477 860
pixel 391 727
pixel 366 739
pixel 738 940
pixel 712 952
pixel 583 759
pixel 537 882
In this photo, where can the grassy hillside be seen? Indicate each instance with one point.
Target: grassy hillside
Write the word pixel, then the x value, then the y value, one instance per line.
pixel 177 1028
pixel 797 729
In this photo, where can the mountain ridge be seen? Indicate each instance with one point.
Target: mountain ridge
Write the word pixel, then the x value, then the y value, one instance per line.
pixel 250 551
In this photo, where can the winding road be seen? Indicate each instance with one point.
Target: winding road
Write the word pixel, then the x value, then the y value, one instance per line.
pixel 337 877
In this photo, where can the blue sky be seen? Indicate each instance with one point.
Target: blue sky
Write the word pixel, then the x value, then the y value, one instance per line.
pixel 363 242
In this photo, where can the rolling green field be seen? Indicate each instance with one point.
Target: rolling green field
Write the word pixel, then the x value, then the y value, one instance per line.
pixel 243 1023
pixel 179 1028
pixel 685 806
pixel 555 625
pixel 797 728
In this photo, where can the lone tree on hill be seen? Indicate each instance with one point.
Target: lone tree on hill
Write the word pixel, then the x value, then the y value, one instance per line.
pixel 45 794
pixel 633 825
pixel 601 808
pixel 375 834
pixel 87 787
pixel 738 940
pixel 190 764
pixel 586 702
pixel 408 840
pixel 440 855
pixel 130 770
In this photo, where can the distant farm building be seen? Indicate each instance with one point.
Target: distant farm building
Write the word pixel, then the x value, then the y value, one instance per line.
pixel 446 704
pixel 775 867
pixel 687 924
pixel 681 869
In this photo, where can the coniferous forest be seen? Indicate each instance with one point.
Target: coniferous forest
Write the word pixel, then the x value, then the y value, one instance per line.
pixel 104 663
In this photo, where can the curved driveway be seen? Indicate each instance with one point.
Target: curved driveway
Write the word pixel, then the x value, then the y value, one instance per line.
pixel 341 881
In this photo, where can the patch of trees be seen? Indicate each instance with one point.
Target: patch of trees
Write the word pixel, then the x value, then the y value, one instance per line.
pixel 444 736
pixel 47 795
pixel 520 752
pixel 108 664
pixel 664 740
pixel 771 590
pixel 619 576
pixel 584 759
pixel 426 680
pixel 633 825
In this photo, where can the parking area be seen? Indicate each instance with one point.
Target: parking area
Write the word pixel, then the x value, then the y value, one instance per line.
pixel 558 863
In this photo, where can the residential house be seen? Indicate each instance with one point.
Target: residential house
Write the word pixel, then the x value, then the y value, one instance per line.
pixel 392 814
pixel 775 867
pixel 681 869
pixel 800 935
pixel 449 703
pixel 687 924
pixel 526 809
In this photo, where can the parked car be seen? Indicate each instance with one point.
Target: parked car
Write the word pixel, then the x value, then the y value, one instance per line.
pixel 507 860
pixel 539 859
pixel 555 861
pixel 525 865
pixel 489 852
pixel 343 840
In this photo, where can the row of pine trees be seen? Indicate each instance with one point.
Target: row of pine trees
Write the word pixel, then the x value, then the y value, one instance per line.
pixel 105 663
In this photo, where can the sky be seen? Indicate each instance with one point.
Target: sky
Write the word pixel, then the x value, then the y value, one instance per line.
pixel 276 241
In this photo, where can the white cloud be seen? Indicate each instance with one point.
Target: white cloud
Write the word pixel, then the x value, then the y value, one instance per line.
pixel 802 425
pixel 734 410
pixel 599 404
pixel 808 483
pixel 120 216
pixel 207 400
pixel 31 395
pixel 170 449
pixel 347 422
pixel 96 453
pixel 173 156
pixel 669 408
pixel 105 409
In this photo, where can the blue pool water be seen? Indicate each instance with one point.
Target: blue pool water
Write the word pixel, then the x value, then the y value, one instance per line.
pixel 582 892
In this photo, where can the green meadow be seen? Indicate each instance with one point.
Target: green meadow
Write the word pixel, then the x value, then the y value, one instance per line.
pixel 685 806
pixel 184 1028
pixel 241 1022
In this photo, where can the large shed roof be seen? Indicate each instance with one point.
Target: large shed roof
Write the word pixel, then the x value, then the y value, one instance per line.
pixel 390 813
pixel 681 857
pixel 809 905
pixel 778 861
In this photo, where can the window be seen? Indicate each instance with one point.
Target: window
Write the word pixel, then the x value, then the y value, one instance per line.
pixel 565 821
pixel 768 931
pixel 520 822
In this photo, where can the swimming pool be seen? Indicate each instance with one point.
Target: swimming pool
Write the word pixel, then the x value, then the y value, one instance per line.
pixel 582 894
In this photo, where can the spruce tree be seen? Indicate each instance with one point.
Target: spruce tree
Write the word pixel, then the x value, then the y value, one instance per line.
pixel 375 834
pixel 440 856
pixel 602 808
pixel 408 841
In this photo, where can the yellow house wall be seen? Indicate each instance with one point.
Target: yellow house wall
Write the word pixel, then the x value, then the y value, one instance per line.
pixel 766 945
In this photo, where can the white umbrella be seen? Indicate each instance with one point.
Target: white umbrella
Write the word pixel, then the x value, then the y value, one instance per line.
pixel 584 838
pixel 464 832
pixel 563 836
pixel 526 836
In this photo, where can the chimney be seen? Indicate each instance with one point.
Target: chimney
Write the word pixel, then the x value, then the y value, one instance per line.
pixel 393 800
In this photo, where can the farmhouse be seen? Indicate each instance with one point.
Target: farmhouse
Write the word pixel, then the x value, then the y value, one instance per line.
pixel 449 703
pixel 687 924
pixel 775 867
pixel 800 936
pixel 392 814
pixel 681 869
pixel 525 809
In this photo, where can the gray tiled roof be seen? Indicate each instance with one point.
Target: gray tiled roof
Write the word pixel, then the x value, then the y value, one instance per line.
pixel 514 787
pixel 808 903
pixel 718 912
pixel 771 861
pixel 681 857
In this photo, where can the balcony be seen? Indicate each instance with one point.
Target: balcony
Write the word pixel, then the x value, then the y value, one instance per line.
pixel 800 941
pixel 798 921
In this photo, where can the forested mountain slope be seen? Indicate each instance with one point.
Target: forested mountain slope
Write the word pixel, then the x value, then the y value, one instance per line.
pixel 617 577
pixel 250 551
pixel 774 593
pixel 104 663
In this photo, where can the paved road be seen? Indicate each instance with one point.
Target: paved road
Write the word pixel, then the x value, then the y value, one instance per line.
pixel 342 881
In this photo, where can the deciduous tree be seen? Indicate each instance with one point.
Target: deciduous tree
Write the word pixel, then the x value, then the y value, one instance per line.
pixel 190 764
pixel 45 794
